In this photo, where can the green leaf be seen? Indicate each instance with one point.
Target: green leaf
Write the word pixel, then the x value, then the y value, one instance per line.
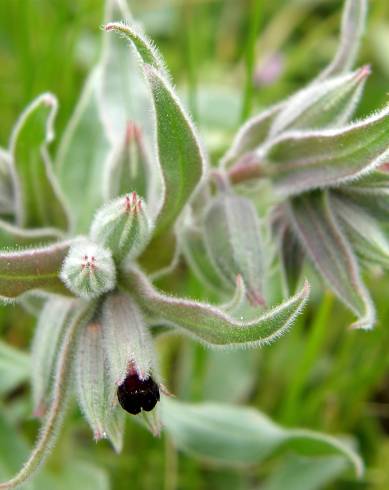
pixel 317 227
pixel 193 247
pixel 330 103
pixel 252 134
pixel 301 161
pixel 301 473
pixel 33 269
pixel 14 367
pixel 364 231
pixel 6 187
pixel 291 254
pixel 49 331
pixel 179 151
pixel 147 51
pixel 12 236
pixel 210 324
pixel 233 241
pixel 232 435
pixel 38 199
pixel 353 23
pixel 82 155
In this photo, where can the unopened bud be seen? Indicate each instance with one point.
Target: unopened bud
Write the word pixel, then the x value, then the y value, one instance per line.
pixel 128 166
pixel 89 270
pixel 123 226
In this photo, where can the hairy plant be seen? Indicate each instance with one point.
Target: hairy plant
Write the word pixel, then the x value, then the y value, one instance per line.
pixel 131 190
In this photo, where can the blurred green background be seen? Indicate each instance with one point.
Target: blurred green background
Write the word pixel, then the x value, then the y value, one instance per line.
pixel 229 59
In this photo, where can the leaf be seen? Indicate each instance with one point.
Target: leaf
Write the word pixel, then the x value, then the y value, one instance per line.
pixel 228 434
pixel 12 236
pixel 6 187
pixel 315 223
pixel 234 244
pixel 330 103
pixel 193 247
pixel 364 231
pixel 291 255
pixel 39 200
pixel 252 134
pixel 301 473
pixel 50 329
pixel 82 154
pixel 301 161
pixel 147 51
pixel 33 269
pixel 210 324
pixel 353 23
pixel 179 151
pixel 14 368
pixel 60 396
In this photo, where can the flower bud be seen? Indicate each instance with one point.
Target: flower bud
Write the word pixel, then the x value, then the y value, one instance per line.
pixel 88 270
pixel 123 226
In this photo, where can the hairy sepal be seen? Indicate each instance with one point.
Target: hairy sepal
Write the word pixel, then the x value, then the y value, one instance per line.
pixel 210 324
pixel 94 388
pixel 127 341
pixel 39 201
pixel 300 161
pixel 234 243
pixel 123 226
pixel 325 243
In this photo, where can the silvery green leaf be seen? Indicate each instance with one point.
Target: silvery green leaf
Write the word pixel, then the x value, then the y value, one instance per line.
pixel 252 134
pixel 179 151
pixel 291 254
pixel 58 403
pixel 238 299
pixel 306 160
pixel 364 231
pixel 39 202
pixel 127 341
pixel 297 472
pixel 129 167
pixel 13 236
pixel 314 221
pixel 79 164
pixel 330 103
pixel 6 185
pixel 26 270
pixel 210 324
pixel 52 322
pixel 353 24
pixel 231 435
pixel 15 367
pixel 193 247
pixel 234 244
pixel 95 390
